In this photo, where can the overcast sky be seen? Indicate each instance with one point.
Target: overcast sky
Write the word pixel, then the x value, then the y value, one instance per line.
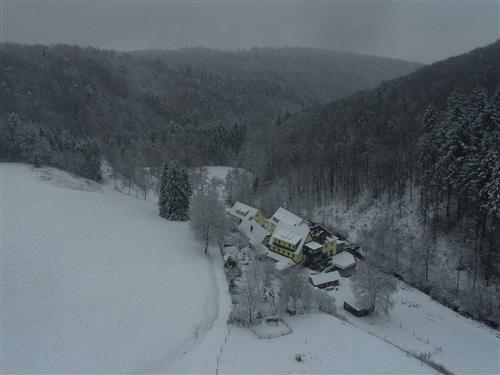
pixel 415 30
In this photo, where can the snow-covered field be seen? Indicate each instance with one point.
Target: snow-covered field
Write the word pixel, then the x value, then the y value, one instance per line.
pixel 421 325
pixel 417 322
pixel 328 345
pixel 93 280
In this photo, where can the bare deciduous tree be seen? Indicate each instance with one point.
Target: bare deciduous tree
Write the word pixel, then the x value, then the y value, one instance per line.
pixel 373 288
pixel 208 218
pixel 294 286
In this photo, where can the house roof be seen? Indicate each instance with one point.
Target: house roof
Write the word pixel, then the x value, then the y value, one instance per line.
pixel 344 260
pixel 253 230
pixel 282 262
pixel 284 235
pixel 324 278
pixel 356 304
pixel 294 234
pixel 284 216
pixel 242 210
pixel 313 245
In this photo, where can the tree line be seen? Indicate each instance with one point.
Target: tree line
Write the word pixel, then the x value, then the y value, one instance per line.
pixel 459 172
pixel 40 145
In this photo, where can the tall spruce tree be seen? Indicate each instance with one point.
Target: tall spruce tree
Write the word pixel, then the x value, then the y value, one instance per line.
pixel 162 200
pixel 175 192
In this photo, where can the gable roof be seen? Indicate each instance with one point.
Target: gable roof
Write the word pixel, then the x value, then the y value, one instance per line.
pixel 324 278
pixel 242 210
pixel 294 234
pixel 284 216
pixel 313 245
pixel 253 230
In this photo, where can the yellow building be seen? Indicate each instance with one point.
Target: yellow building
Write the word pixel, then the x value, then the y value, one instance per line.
pixel 330 246
pixel 285 233
pixel 327 240
pixel 288 240
pixel 241 211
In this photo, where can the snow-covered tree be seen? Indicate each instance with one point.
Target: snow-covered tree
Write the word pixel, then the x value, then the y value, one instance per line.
pixel 239 186
pixel 199 178
pixel 373 288
pixel 428 145
pixel 175 192
pixel 294 286
pixel 162 196
pixel 90 159
pixel 324 302
pixel 208 217
pixel 491 190
pixel 249 295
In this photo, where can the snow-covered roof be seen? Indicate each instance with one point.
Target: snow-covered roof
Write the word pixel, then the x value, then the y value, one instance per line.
pixel 295 234
pixel 356 304
pixel 253 230
pixel 332 238
pixel 242 210
pixel 284 216
pixel 313 245
pixel 282 262
pixel 284 235
pixel 344 260
pixel 324 278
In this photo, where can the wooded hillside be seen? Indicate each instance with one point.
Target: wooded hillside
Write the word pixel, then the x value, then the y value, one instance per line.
pixel 191 104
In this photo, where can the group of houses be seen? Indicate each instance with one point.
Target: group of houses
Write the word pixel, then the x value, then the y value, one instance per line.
pixel 299 240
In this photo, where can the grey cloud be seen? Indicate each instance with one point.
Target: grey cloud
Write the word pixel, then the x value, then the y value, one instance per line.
pixel 413 30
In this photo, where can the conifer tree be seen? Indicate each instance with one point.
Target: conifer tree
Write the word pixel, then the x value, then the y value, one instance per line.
pixel 175 193
pixel 162 199
pixel 89 157
pixel 427 157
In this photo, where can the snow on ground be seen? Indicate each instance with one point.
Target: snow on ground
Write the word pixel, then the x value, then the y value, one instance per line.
pixel 421 325
pixel 329 345
pixel 462 345
pixel 65 180
pixel 94 281
pixel 203 356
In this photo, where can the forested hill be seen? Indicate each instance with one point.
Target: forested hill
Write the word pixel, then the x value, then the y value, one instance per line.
pixel 368 141
pixel 427 143
pixel 143 107
pixel 310 75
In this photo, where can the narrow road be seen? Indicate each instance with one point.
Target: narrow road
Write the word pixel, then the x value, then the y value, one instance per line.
pixel 205 354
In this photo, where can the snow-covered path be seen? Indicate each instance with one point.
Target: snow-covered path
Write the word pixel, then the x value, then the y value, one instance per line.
pixel 204 354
